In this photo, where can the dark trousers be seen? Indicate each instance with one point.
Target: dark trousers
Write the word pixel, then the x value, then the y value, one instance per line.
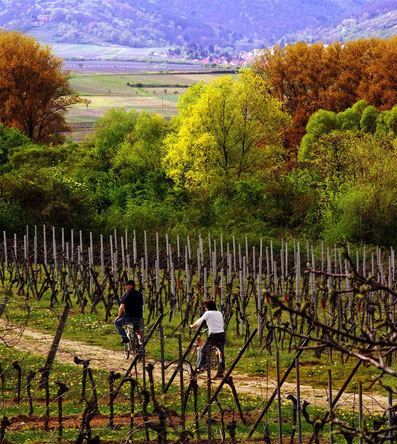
pixel 217 340
pixel 137 322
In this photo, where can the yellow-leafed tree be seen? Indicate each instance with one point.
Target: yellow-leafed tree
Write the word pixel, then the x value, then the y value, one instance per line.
pixel 224 131
pixel 34 92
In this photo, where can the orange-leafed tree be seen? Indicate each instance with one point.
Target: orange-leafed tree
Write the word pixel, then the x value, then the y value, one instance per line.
pixel 378 85
pixel 34 91
pixel 306 78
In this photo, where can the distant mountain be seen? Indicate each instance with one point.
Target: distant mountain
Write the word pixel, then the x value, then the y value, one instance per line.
pixel 374 19
pixel 238 24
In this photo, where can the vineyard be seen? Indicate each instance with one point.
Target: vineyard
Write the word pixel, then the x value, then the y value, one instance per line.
pixel 310 353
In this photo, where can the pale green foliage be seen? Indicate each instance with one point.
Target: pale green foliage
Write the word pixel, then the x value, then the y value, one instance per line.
pixel 130 140
pixel 349 119
pixel 320 123
pixel 359 106
pixel 391 119
pixel 224 131
pixel 330 159
pixel 355 176
pixel 360 117
pixel 190 98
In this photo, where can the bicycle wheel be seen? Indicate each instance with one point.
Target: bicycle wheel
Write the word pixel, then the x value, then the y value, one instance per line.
pixel 136 345
pixel 127 345
pixel 127 349
pixel 214 361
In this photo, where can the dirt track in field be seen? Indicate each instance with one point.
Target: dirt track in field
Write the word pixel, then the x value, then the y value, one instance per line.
pixel 38 343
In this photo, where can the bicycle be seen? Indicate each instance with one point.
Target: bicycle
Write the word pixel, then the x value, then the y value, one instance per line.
pixel 135 341
pixel 215 358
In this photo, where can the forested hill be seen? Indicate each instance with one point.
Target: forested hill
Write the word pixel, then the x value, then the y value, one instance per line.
pixel 377 18
pixel 240 24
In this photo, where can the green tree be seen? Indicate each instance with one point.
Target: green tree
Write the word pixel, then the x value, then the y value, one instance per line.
pixel 386 124
pixel 360 117
pixel 320 123
pixel 349 120
pixel 141 148
pixel 364 208
pixel 10 138
pixel 390 119
pixel 46 196
pixel 111 130
pixel 368 119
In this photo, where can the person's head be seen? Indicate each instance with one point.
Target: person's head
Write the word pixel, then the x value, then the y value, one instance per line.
pixel 130 285
pixel 209 305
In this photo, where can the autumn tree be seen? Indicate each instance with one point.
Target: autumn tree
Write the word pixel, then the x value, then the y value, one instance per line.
pixel 224 132
pixel 306 78
pixel 34 91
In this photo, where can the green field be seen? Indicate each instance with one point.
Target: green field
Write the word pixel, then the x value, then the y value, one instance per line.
pixel 86 84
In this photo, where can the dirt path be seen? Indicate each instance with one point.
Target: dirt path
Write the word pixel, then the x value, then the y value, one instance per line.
pixel 39 343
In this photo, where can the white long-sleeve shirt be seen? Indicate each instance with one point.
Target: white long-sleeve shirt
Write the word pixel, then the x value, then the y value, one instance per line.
pixel 214 321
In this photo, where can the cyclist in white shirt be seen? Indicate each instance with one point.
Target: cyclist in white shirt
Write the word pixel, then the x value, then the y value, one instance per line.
pixel 216 337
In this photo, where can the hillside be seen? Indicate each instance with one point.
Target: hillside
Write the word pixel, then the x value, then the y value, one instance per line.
pixel 239 24
pixel 375 19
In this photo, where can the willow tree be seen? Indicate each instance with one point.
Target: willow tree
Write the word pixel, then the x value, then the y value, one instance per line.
pixel 224 132
pixel 34 91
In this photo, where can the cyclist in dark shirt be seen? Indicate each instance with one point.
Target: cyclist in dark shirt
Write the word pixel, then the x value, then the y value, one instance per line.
pixel 130 311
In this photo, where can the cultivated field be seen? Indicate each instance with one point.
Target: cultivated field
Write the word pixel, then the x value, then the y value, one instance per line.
pixel 156 92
